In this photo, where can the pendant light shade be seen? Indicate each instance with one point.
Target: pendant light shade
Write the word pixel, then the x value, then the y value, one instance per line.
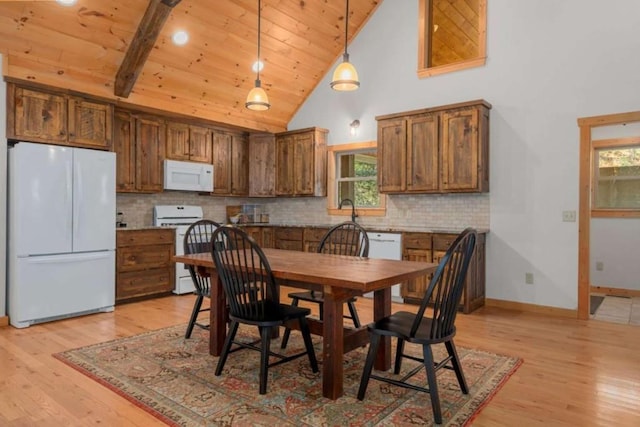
pixel 345 76
pixel 257 99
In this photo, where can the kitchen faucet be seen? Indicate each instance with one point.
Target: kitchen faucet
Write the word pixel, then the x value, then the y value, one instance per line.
pixel 353 208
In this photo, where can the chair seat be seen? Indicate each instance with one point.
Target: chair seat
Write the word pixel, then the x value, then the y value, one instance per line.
pixel 316 296
pixel 399 325
pixel 269 314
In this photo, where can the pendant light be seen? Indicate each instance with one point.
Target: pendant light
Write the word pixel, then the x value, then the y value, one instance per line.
pixel 345 77
pixel 257 99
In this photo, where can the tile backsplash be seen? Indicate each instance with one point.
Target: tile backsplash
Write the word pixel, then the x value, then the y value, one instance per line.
pixel 450 211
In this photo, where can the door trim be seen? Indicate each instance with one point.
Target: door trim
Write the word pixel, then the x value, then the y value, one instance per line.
pixel 584 204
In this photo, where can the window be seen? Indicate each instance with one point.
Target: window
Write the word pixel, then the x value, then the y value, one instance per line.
pixel 353 174
pixel 452 35
pixel 616 174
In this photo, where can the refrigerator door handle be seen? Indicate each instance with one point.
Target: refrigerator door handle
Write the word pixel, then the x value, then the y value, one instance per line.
pixel 77 195
pixel 58 259
pixel 69 191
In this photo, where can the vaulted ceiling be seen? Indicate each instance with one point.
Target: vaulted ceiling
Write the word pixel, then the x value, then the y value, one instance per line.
pixel 83 47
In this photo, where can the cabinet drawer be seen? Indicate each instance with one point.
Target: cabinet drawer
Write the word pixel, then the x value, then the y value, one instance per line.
pixel 132 258
pixel 290 245
pixel 143 283
pixel 416 240
pixel 314 234
pixel 441 242
pixel 145 237
pixel 287 233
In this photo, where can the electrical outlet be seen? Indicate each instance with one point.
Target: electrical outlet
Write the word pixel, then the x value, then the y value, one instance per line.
pixel 599 265
pixel 528 278
pixel 569 216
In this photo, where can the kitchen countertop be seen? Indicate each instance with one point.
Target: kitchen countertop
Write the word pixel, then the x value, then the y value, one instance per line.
pixel 393 229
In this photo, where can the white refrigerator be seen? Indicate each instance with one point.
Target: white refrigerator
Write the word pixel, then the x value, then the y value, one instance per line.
pixel 61 232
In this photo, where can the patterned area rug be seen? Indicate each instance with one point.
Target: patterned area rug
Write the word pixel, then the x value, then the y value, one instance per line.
pixel 173 379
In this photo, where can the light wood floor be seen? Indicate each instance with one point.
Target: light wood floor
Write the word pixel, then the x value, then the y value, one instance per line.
pixel 575 373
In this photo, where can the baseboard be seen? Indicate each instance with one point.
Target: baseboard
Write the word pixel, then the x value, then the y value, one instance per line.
pixel 615 291
pixel 4 321
pixel 532 308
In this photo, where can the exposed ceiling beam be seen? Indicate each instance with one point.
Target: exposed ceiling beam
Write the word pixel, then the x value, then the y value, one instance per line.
pixel 152 22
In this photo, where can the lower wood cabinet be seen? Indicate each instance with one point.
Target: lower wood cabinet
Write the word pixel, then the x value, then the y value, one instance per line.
pixel 428 247
pixel 144 263
pixel 312 237
pixel 289 238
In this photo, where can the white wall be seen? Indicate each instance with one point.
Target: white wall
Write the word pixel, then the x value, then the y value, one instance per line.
pixel 615 243
pixel 549 63
pixel 3 192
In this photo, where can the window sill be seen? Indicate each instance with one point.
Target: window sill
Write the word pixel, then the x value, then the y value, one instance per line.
pixel 359 211
pixel 615 213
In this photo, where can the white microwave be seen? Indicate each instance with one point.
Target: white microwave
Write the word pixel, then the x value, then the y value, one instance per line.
pixel 188 176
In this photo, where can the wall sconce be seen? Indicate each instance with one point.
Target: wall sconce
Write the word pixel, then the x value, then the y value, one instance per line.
pixel 354 127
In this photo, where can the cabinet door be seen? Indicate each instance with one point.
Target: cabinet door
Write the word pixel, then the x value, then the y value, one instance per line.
pixel 422 153
pixel 125 149
pixel 255 233
pixel 150 152
pixel 262 165
pixel 39 116
pixel 303 164
pixel 199 144
pixel 221 151
pixel 392 155
pixel 415 289
pixel 460 150
pixel 177 141
pixel 239 166
pixel 284 166
pixel 90 123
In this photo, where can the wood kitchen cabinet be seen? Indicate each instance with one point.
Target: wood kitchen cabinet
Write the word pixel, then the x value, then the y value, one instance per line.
pixel 312 238
pixel 289 238
pixel 138 142
pixel 262 165
pixel 41 116
pixel 431 247
pixel 230 164
pixel 188 142
pixel 301 163
pixel 144 263
pixel 416 247
pixel 435 150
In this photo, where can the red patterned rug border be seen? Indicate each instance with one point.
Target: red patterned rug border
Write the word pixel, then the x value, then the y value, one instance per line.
pixel 117 391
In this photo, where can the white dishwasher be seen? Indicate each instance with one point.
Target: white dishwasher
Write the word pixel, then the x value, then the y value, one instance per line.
pixel 386 246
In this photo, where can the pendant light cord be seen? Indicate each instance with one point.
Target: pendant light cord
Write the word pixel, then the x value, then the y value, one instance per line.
pixel 346 29
pixel 258 67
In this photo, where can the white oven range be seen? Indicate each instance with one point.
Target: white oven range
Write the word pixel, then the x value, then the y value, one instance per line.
pixel 180 217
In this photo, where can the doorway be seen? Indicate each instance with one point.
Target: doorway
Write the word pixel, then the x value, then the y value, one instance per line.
pixel 587 126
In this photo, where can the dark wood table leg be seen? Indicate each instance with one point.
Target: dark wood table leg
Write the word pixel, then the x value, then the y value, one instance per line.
pixel 382 308
pixel 217 316
pixel 332 344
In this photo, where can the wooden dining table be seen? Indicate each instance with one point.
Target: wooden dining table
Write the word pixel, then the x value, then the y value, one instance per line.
pixel 340 278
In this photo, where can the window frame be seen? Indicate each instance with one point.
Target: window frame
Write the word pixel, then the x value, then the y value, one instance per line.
pixel 425 22
pixel 332 182
pixel 614 143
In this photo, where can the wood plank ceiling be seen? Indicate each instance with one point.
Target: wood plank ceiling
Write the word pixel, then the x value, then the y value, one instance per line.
pixel 82 47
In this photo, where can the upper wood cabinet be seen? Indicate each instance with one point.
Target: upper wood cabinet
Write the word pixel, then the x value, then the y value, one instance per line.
pixel 262 165
pixel 90 123
pixel 436 150
pixel 301 163
pixel 39 116
pixel 230 164
pixel 139 146
pixel 188 142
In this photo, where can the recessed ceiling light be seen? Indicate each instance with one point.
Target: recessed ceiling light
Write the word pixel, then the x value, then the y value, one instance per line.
pixel 257 66
pixel 67 2
pixel 180 38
